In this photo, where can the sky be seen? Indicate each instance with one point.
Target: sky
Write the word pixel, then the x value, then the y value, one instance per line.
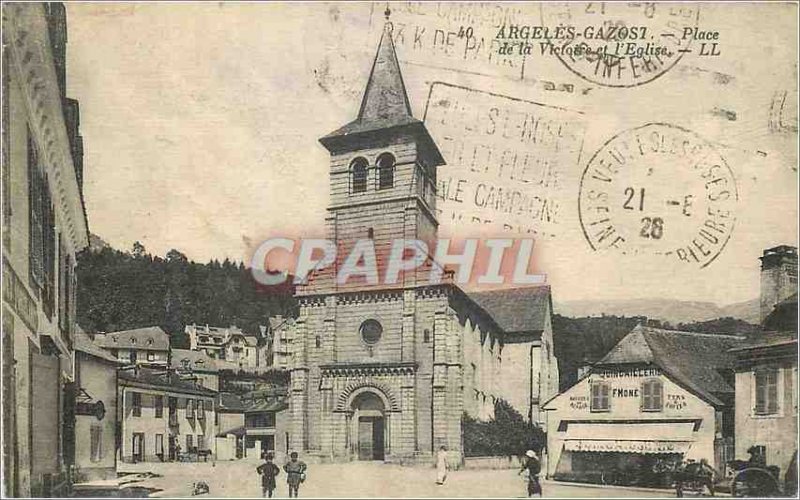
pixel 201 121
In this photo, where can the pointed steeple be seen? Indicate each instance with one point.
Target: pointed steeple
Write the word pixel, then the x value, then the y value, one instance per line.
pixel 384 106
pixel 385 98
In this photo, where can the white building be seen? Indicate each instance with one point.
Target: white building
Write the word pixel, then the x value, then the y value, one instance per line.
pixel 143 346
pixel 229 344
pixel 658 395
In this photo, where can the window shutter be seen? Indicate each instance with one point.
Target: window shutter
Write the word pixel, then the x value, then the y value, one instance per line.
pixel 644 402
pixel 658 395
pixel 604 398
pixel 772 391
pixel 760 389
pixel 35 228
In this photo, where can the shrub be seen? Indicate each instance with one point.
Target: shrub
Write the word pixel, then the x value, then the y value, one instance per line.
pixel 507 434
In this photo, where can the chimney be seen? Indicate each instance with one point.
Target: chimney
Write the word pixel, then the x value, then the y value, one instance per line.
pixel 778 277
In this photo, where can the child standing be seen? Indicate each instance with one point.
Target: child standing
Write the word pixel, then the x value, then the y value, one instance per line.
pixel 268 471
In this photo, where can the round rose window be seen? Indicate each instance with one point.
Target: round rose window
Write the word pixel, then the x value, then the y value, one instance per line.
pixel 371 331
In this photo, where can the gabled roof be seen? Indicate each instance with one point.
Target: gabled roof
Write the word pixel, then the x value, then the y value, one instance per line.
pixel 783 316
pixel 516 310
pixel 159 379
pixel 230 402
pixel 84 344
pixel 151 338
pixel 693 360
pixel 767 339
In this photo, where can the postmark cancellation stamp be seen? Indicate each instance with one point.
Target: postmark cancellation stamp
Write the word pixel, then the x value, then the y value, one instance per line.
pixel 659 189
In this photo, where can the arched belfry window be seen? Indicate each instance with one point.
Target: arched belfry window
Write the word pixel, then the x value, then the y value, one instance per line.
pixel 385 164
pixel 358 175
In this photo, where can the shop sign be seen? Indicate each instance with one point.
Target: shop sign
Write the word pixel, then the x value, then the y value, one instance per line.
pixel 579 402
pixel 625 446
pixel 628 373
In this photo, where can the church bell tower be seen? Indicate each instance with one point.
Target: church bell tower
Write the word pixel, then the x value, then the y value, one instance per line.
pixel 383 167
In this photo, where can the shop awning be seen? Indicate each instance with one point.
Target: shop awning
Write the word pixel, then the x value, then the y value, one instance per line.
pixel 626 446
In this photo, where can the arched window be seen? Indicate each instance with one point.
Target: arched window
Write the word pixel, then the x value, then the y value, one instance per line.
pixel 386 163
pixel 358 175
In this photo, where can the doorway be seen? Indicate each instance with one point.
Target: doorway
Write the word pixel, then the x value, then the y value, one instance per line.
pixel 370 438
pixel 137 446
pixel 173 455
pixel 371 433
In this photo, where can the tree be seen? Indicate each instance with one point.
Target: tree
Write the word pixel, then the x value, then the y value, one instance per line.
pixel 121 290
pixel 507 434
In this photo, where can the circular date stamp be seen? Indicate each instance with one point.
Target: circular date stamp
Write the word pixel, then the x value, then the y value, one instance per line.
pixel 658 189
pixel 620 44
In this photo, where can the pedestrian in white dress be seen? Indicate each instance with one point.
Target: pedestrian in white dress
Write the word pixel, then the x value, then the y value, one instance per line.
pixel 441 465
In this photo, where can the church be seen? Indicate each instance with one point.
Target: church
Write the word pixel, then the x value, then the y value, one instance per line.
pixel 386 371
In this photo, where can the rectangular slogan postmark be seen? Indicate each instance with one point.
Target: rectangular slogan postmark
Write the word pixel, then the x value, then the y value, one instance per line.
pixel 508 158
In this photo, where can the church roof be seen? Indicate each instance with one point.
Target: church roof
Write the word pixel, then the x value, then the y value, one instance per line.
pixel 385 104
pixel 516 310
pixel 694 360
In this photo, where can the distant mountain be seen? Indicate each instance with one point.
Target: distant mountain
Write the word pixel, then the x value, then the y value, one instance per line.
pixel 672 311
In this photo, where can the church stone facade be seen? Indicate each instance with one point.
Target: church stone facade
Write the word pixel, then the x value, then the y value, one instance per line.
pixel 385 372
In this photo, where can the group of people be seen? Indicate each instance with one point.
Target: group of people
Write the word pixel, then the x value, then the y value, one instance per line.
pixel 295 474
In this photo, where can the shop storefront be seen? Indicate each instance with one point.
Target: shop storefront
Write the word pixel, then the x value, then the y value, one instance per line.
pixel 622 462
pixel 657 399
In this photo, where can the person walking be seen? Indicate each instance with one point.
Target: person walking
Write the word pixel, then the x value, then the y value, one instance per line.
pixel 532 466
pixel 295 474
pixel 268 472
pixel 441 465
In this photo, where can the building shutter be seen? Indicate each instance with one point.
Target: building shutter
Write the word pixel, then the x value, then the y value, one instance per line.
pixel 45 383
pixel 96 445
pixel 658 395
pixel 766 389
pixel 772 391
pixel 35 216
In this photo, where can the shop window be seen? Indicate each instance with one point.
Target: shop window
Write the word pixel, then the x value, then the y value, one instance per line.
pixel 386 164
pixel 766 382
pixel 358 175
pixel 652 395
pixel 136 404
pixel 189 442
pixel 159 401
pixel 260 420
pixel 600 397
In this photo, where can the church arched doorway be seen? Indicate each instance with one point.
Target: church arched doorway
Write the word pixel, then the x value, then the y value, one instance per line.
pixel 369 414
